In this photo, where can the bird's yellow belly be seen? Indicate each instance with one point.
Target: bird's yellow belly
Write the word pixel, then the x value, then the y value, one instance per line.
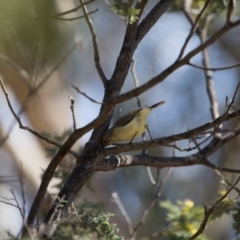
pixel 131 130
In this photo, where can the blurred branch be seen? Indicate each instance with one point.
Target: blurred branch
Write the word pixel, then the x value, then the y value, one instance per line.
pixel 72 110
pixel 152 203
pixel 214 68
pixel 118 201
pixel 209 78
pixel 135 79
pixel 229 11
pixel 72 10
pixel 67 19
pixel 16 205
pixel 226 182
pixel 208 211
pixel 21 126
pixel 193 27
pixel 22 73
pixel 33 91
pixel 95 45
pixel 21 179
pixel 85 95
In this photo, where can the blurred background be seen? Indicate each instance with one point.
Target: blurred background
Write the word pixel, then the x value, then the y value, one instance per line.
pixel 43 53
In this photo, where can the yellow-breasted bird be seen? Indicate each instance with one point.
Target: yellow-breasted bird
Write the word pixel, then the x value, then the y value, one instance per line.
pixel 129 126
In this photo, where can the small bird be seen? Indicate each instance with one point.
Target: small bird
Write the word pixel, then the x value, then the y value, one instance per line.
pixel 129 126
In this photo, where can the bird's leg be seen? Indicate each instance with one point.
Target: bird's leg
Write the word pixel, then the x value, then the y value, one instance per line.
pixel 146 126
pixel 133 137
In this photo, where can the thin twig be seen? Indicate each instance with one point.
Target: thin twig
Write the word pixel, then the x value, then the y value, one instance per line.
pixel 128 220
pixel 193 29
pixel 72 110
pixel 72 10
pixel 85 95
pixel 25 76
pixel 208 212
pixel 135 79
pixel 17 203
pixel 95 45
pixel 214 68
pixel 21 179
pixel 226 181
pixel 233 99
pixel 38 60
pixel 152 203
pixel 209 77
pixel 68 19
pixel 21 126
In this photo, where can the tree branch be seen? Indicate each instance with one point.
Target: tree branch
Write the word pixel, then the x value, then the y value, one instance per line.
pixel 95 45
pixel 120 148
pixel 185 60
pixel 193 27
pixel 208 211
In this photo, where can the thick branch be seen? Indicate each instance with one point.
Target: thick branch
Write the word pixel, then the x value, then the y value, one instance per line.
pixel 152 17
pixel 120 148
pixel 200 158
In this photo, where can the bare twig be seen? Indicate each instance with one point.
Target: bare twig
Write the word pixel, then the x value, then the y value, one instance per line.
pixel 38 60
pixel 152 203
pixel 233 99
pixel 23 74
pixel 95 45
pixel 215 68
pixel 135 79
pixel 177 64
pixel 21 126
pixel 21 179
pixel 68 19
pixel 72 10
pixel 226 181
pixel 208 211
pixel 210 83
pixel 118 201
pixel 193 29
pixel 72 110
pixel 85 95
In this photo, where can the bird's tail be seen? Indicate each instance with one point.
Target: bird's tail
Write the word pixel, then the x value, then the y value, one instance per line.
pixel 157 104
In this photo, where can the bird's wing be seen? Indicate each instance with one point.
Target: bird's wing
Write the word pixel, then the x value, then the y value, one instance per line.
pixel 124 120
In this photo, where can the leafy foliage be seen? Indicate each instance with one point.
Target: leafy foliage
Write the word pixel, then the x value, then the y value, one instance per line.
pixel 125 10
pixel 92 219
pixel 183 219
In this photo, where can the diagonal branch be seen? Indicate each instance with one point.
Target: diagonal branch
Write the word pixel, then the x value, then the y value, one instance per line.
pixel 166 140
pixel 200 158
pixel 21 126
pixel 193 28
pixel 95 45
pixel 152 17
pixel 85 95
pixel 72 10
pixel 215 68
pixel 208 211
pixel 185 60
